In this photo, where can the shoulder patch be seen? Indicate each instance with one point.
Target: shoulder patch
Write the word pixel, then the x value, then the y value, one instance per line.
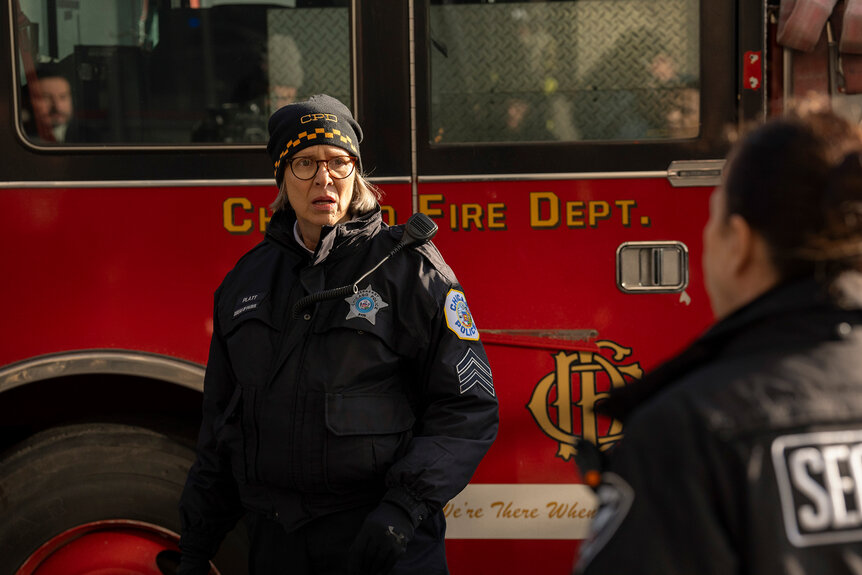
pixel 819 479
pixel 473 370
pixel 458 316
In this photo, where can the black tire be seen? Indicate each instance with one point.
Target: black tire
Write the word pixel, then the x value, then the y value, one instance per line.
pixel 69 476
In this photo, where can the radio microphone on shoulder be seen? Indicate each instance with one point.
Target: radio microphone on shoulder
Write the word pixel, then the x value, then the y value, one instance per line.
pixel 418 230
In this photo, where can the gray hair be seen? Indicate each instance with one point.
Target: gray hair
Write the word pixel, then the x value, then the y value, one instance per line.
pixel 365 198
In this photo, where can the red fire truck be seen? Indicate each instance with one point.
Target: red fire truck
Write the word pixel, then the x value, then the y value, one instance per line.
pixel 566 150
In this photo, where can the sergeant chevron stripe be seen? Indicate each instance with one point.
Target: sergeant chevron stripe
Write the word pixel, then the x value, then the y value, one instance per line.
pixel 473 370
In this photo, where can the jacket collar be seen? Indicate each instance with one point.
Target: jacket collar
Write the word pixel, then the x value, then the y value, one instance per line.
pixel 789 304
pixel 335 242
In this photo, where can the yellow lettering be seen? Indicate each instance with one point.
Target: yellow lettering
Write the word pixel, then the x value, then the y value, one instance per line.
pixel 575 216
pixel 389 214
pixel 597 210
pixel 264 219
pixel 626 207
pixel 471 213
pixel 506 510
pixel 558 510
pixel 228 211
pixel 425 207
pixel 496 216
pixel 537 200
pixel 453 217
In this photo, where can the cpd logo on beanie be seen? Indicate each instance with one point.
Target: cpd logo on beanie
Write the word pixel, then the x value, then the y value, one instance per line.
pixel 313 117
pixel 320 120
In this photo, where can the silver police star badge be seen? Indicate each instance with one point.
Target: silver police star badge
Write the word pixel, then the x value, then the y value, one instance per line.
pixel 365 304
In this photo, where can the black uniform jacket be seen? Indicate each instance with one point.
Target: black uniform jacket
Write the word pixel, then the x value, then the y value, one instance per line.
pixel 744 453
pixel 386 393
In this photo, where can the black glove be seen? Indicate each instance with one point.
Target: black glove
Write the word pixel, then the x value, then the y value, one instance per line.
pixel 381 540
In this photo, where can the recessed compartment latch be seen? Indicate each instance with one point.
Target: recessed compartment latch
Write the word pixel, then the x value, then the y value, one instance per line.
pixel 652 267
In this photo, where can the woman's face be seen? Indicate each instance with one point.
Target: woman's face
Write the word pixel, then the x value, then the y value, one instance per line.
pixel 322 200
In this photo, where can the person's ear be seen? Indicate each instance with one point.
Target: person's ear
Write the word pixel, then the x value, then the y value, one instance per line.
pixel 742 248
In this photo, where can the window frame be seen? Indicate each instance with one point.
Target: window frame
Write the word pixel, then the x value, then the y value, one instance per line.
pixel 718 108
pixel 102 163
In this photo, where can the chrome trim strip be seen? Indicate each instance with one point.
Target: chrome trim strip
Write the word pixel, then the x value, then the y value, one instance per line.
pixel 414 146
pixel 382 180
pixel 136 183
pixel 543 177
pixel 544 334
pixel 692 173
pixel 169 183
pixel 107 148
pixel 354 76
pixel 13 53
pixel 106 361
pixel 764 58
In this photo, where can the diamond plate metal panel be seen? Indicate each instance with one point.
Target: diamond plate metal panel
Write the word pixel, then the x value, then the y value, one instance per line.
pixel 584 70
pixel 309 49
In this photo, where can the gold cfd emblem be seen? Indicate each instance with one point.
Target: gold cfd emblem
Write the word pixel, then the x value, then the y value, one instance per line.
pixel 577 379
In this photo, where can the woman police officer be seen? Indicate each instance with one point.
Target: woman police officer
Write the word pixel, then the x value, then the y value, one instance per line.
pixel 339 426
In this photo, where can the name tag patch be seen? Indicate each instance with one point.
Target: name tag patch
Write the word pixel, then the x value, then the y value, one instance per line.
pixel 458 317
pixel 820 485
pixel 248 303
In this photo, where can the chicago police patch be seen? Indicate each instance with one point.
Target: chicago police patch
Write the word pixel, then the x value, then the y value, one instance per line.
pixel 365 304
pixel 458 316
pixel 820 486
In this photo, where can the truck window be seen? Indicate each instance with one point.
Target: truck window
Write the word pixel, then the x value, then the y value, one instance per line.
pixel 564 71
pixel 171 72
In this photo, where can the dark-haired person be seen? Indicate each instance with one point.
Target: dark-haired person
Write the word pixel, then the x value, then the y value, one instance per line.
pixel 343 426
pixel 743 454
pixel 51 103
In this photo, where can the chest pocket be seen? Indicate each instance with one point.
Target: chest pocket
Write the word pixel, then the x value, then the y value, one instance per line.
pixel 251 334
pixel 361 356
pixel 370 316
pixel 367 433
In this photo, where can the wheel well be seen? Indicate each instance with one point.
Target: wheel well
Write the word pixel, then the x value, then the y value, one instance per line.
pixel 155 404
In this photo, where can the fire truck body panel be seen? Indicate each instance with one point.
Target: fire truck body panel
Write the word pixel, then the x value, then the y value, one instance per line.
pixel 579 250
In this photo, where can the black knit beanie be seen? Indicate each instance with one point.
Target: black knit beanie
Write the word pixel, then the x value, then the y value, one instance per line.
pixel 319 120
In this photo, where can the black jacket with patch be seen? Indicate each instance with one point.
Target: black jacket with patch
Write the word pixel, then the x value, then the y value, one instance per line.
pixel 744 453
pixel 383 394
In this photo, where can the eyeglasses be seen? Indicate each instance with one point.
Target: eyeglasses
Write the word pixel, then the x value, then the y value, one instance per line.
pixel 338 167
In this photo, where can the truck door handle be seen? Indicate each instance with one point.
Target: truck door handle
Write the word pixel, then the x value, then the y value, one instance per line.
pixel 652 267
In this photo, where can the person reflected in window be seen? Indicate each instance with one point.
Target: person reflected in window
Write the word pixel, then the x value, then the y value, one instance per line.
pixel 683 112
pixel 52 105
pixel 638 90
pixel 284 68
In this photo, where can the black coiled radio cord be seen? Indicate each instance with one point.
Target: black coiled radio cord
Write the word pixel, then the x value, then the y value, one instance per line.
pixel 418 230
